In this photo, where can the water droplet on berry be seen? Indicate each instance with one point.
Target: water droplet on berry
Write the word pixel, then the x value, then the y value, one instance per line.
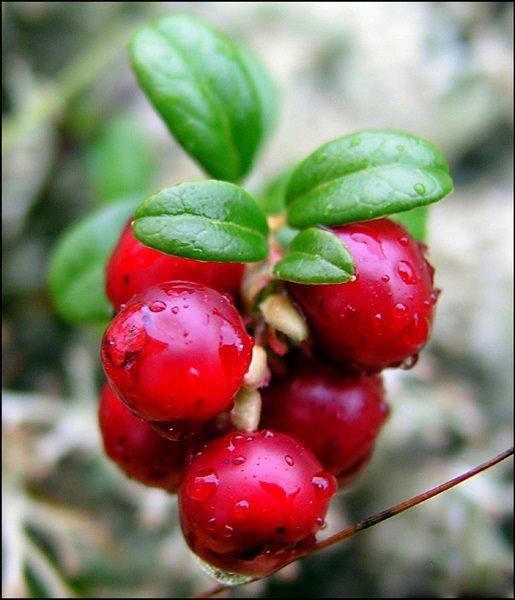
pixel 211 524
pixel 400 311
pixel 325 485
pixel 420 188
pixel 409 363
pixel 289 460
pixel 240 509
pixel 321 523
pixel 157 306
pixel 407 272
pixel 239 460
pixel 385 278
pixel 417 331
pixel 377 320
pixel 227 531
pixel 203 485
pixel 175 310
pixel 268 434
pixel 224 577
pixel 404 240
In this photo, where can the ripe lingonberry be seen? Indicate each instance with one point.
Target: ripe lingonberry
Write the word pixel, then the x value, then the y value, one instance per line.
pixel 384 317
pixel 336 416
pixel 136 448
pixel 249 503
pixel 133 267
pixel 178 351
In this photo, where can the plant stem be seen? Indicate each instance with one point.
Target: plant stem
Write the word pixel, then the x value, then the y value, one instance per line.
pixel 379 517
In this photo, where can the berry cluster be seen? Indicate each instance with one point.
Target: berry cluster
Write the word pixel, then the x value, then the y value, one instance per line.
pixel 255 432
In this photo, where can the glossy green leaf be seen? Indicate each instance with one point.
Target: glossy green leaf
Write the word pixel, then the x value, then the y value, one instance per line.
pixel 76 275
pixel 366 175
pixel 119 162
pixel 204 220
pixel 215 98
pixel 316 256
pixel 415 222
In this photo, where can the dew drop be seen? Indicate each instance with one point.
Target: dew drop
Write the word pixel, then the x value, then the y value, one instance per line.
pixel 416 332
pixel 385 278
pixel 203 485
pixel 321 523
pixel 400 311
pixel 403 241
pixel 289 460
pixel 211 524
pixel 238 460
pixel 240 509
pixel 193 372
pixel 409 362
pixel 227 531
pixel 420 188
pixel 268 434
pixel 407 272
pixel 224 577
pixel 325 485
pixel 157 306
pixel 175 310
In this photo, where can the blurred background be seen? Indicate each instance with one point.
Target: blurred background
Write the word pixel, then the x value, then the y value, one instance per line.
pixel 78 133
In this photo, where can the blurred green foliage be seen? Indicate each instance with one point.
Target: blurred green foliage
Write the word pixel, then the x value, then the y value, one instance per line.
pixel 73 525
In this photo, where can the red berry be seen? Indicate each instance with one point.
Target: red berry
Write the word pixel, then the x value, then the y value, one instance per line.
pixel 382 319
pixel 337 417
pixel 250 503
pixel 178 351
pixel 136 448
pixel 133 267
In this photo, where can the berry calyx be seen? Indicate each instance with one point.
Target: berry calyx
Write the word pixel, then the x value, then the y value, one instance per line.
pixel 249 503
pixel 177 352
pixel 384 317
pixel 336 416
pixel 136 448
pixel 133 267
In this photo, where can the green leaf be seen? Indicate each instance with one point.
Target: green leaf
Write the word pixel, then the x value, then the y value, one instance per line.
pixel 272 198
pixel 415 222
pixel 204 220
pixel 316 256
pixel 76 275
pixel 119 162
pixel 366 175
pixel 216 99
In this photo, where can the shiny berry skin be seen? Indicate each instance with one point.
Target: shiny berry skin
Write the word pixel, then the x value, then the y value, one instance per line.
pixel 177 352
pixel 133 267
pixel 336 416
pixel 136 448
pixel 384 317
pixel 249 503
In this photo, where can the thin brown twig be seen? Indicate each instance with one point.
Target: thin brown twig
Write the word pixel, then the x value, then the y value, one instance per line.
pixel 377 518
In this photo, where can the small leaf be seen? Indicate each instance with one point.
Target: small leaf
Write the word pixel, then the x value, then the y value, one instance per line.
pixel 204 220
pixel 119 162
pixel 76 275
pixel 216 99
pixel 415 222
pixel 316 256
pixel 272 198
pixel 364 176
